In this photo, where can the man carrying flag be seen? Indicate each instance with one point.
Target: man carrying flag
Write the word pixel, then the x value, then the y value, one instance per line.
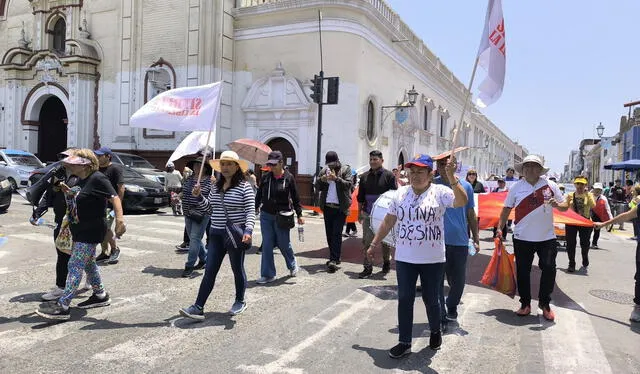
pixel 534 199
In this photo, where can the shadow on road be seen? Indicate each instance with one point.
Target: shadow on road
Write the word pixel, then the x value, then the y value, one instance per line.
pixel 211 319
pixel 167 273
pixel 282 281
pixel 418 361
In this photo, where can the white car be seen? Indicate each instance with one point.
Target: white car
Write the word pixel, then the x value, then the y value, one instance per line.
pixel 17 165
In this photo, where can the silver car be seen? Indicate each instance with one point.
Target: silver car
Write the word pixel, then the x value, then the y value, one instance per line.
pixel 17 165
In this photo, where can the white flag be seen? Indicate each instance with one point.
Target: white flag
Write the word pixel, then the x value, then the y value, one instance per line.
pixel 193 143
pixel 492 55
pixel 181 109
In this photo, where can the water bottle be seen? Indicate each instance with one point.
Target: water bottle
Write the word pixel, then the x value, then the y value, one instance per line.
pixel 301 233
pixel 42 222
pixel 472 248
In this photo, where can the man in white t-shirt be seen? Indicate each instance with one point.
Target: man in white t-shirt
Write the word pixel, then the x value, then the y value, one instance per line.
pixel 533 198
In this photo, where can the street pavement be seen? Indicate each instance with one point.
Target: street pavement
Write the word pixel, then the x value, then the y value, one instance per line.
pixel 314 323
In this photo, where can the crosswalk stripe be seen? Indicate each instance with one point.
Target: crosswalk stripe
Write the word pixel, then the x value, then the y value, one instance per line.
pixel 571 345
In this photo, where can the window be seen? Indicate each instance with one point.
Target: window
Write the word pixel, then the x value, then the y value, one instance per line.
pixel 443 126
pixel 59 36
pixel 425 119
pixel 371 130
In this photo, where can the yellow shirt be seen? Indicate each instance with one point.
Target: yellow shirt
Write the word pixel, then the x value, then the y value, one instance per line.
pixel 581 203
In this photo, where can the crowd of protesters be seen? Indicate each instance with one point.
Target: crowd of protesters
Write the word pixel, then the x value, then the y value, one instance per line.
pixel 432 214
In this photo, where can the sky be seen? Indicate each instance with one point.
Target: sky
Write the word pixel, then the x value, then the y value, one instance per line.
pixel 570 64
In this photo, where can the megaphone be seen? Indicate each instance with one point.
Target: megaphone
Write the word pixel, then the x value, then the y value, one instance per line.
pixel 34 193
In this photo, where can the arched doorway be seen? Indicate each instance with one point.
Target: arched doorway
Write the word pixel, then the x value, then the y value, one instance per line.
pixel 289 154
pixel 401 159
pixel 52 135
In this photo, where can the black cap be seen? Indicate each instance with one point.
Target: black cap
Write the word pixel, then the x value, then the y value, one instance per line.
pixel 330 157
pixel 274 157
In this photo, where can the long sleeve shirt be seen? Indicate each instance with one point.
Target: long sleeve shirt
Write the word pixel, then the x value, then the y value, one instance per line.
pixel 240 205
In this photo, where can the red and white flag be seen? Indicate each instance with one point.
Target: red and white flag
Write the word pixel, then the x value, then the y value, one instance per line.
pixel 181 109
pixel 492 55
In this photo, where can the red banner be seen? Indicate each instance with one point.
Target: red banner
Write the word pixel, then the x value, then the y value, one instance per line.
pixel 490 206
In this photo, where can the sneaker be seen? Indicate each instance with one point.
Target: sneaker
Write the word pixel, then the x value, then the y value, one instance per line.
pixel 435 340
pixel 571 269
pixel 54 294
pixel 332 267
pixel 595 246
pixel 293 272
pixel 584 269
pixel 524 310
pixel 386 267
pixel 452 314
pixel 53 311
pixel 635 314
pixel 366 273
pixel 102 258
pixel 193 312
pixel 182 246
pixel 265 280
pixel 354 234
pixel 345 235
pixel 400 350
pixel 237 308
pixel 200 265
pixel 115 256
pixel 187 272
pixel 95 301
pixel 547 313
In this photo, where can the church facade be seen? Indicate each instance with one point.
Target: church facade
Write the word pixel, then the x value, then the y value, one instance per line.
pixel 72 72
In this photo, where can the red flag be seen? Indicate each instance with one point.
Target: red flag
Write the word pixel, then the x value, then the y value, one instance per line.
pixel 490 206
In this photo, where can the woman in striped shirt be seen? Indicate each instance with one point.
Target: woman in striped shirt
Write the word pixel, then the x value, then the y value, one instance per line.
pixel 196 218
pixel 239 202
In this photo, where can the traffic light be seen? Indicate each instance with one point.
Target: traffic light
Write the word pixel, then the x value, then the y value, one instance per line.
pixel 332 90
pixel 316 89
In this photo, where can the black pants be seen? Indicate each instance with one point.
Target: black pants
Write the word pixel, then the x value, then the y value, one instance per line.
pixel 596 233
pixel 547 251
pixel 62 263
pixel 351 227
pixel 637 277
pixel 504 232
pixel 585 234
pixel 334 220
pixel 635 223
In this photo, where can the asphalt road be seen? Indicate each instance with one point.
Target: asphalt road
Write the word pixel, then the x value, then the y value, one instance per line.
pixel 314 323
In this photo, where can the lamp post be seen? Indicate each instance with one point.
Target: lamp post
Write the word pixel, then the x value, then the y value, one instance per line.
pixel 412 97
pixel 600 130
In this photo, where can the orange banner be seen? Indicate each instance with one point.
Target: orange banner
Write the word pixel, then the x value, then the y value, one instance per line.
pixel 490 206
pixel 353 209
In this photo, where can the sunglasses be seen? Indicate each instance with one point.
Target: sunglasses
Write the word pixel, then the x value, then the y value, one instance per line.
pixel 474 174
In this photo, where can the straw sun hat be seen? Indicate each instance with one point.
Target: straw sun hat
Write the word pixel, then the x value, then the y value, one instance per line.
pixel 229 156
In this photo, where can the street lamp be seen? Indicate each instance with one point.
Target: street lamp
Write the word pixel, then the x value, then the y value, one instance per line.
pixel 411 96
pixel 600 130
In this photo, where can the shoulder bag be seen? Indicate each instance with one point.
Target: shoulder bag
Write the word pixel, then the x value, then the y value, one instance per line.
pixel 233 232
pixel 284 218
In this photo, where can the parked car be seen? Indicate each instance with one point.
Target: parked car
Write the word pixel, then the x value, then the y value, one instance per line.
pixel 140 165
pixel 17 166
pixel 140 193
pixel 5 194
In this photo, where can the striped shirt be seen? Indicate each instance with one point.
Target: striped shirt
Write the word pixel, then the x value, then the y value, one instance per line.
pixel 190 202
pixel 240 203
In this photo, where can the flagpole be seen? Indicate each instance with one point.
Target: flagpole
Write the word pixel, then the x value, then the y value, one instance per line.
pixel 454 137
pixel 206 147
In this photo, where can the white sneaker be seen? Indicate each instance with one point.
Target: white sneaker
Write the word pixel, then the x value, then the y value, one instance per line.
pixel 54 294
pixel 293 272
pixel 265 280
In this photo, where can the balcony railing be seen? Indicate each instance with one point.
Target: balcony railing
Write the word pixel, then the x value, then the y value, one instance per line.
pixel 386 13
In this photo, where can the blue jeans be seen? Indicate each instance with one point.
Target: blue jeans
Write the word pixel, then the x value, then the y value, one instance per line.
pixel 196 248
pixel 455 270
pixel 215 255
pixel 334 220
pixel 272 236
pixel 431 280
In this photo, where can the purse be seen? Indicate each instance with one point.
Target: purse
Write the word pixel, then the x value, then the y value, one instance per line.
pixel 233 232
pixel 285 219
pixel 64 242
